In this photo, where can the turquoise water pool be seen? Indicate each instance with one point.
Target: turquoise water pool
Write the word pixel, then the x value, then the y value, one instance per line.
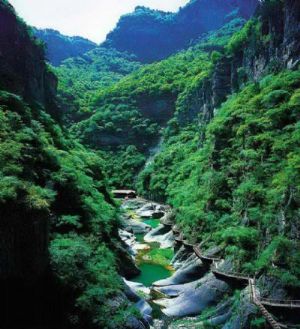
pixel 151 273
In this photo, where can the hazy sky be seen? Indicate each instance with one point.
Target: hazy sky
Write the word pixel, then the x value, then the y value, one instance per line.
pixel 92 19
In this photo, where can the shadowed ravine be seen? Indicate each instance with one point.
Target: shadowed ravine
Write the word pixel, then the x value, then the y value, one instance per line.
pixel 152 258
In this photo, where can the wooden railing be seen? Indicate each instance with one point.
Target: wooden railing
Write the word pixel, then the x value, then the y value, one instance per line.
pixel 230 274
pixel 258 301
pixel 252 289
pixel 188 244
pixel 198 253
pixel 280 303
pixel 179 238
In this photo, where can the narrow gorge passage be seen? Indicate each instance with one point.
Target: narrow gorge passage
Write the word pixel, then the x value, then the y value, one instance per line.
pixel 173 283
pixel 176 280
pixel 153 253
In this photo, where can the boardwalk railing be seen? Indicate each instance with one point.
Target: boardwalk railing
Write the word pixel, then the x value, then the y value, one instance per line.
pixel 229 274
pixel 203 257
pixel 274 324
pixel 188 244
pixel 280 303
pixel 179 238
pixel 258 301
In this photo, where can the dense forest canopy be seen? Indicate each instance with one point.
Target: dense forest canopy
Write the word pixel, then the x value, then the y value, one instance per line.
pixel 197 109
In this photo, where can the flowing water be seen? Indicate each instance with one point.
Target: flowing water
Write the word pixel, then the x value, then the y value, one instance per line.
pixel 154 261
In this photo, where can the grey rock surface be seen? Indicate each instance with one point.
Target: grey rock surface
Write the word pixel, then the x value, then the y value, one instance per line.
pixel 194 297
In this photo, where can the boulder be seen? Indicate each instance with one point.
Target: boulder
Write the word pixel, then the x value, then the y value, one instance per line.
pixel 194 297
pixel 136 226
pixel 191 270
pixel 131 292
pixel 162 235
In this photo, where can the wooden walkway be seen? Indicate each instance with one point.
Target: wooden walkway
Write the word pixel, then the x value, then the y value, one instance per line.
pixel 188 244
pixel 229 274
pixel 258 301
pixel 204 258
pixel 274 324
pixel 179 238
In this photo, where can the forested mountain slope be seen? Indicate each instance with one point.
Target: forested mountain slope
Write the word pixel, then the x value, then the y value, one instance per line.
pixel 223 117
pixel 81 77
pixel 153 35
pixel 60 47
pixel 241 158
pixel 129 115
pixel 60 253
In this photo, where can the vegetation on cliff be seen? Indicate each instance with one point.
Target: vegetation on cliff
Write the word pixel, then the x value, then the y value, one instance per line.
pixel 242 165
pixel 245 178
pixel 81 77
pixel 128 116
pixel 225 114
pixel 58 227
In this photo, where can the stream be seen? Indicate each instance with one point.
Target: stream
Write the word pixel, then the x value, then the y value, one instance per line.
pixel 152 260
pixel 177 290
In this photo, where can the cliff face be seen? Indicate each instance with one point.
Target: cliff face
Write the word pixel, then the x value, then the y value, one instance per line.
pixel 22 67
pixel 60 47
pixel 153 35
pixel 291 33
pixel 22 71
pixel 275 48
pixel 58 223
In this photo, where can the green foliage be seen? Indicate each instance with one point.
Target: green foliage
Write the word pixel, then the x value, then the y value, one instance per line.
pixel 275 97
pixel 239 39
pixel 81 77
pixel 220 38
pixel 258 323
pixel 241 187
pixel 46 175
pixel 160 256
pixel 124 118
pixel 121 165
pixel 128 115
pixel 87 266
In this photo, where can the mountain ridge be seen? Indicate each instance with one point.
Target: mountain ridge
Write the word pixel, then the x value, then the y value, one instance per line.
pixel 60 47
pixel 165 33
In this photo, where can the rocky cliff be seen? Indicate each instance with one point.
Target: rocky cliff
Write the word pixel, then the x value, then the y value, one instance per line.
pixel 272 45
pixel 22 67
pixel 60 253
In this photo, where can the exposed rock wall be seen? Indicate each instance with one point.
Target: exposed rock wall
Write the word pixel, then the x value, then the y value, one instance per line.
pixel 278 49
pixel 22 67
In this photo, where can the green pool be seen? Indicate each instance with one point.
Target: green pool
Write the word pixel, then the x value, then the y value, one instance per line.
pixel 151 273
pixel 152 222
pixel 152 262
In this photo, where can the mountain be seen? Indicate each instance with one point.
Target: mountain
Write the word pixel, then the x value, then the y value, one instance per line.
pixel 60 253
pixel 212 131
pixel 152 35
pixel 60 47
pixel 81 77
pixel 127 118
pixel 229 163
